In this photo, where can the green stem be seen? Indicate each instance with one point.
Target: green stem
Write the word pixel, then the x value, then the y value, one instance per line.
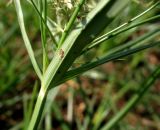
pixel 129 22
pixel 70 23
pixel 38 110
pixel 43 20
pixel 134 100
pixel 43 11
pixel 97 42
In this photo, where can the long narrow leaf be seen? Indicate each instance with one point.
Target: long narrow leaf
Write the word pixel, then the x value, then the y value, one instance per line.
pixel 142 39
pixel 73 73
pixel 25 38
pixel 106 37
pixel 129 22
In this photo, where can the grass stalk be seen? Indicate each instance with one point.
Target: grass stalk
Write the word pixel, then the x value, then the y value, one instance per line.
pixel 129 22
pixel 43 11
pixel 38 110
pixel 43 20
pixel 71 22
pixel 108 36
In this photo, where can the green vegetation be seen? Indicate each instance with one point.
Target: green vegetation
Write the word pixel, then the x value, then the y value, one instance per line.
pixel 85 74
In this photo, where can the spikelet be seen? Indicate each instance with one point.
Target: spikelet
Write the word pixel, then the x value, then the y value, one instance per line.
pixel 68 3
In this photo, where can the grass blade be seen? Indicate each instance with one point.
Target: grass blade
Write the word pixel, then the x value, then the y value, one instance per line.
pixel 142 39
pixel 70 23
pixel 26 39
pixel 43 11
pixel 73 73
pixel 129 22
pixel 106 37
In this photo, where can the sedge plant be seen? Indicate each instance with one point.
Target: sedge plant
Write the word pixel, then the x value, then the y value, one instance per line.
pixel 76 40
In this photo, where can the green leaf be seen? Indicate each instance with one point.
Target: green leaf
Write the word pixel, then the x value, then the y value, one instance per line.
pixel 73 73
pixel 26 39
pixel 115 33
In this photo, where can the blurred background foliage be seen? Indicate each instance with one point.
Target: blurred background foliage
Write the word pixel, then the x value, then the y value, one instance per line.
pixel 88 101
